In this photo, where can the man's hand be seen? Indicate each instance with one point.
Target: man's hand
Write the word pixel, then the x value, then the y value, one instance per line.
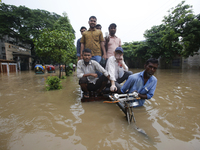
pixel 108 77
pixel 107 39
pixel 120 59
pixel 113 88
pixel 104 56
pixel 135 94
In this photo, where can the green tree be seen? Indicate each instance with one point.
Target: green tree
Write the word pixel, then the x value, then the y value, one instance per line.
pixel 182 30
pixel 56 45
pixel 63 23
pixel 24 23
pixel 191 37
pixel 135 53
pixel 162 42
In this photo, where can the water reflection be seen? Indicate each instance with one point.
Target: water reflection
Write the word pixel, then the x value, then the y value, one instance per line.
pixel 32 118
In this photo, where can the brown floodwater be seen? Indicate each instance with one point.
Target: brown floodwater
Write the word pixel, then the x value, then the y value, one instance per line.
pixel 34 119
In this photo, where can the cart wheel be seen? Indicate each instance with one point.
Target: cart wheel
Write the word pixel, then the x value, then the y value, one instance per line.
pixel 128 115
pixel 132 115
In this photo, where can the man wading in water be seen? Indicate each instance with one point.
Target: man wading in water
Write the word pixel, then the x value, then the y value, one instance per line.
pixel 143 82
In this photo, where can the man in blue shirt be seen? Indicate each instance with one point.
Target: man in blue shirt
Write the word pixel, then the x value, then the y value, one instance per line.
pixel 78 44
pixel 143 82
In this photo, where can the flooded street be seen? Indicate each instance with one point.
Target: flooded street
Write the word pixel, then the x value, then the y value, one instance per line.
pixel 32 118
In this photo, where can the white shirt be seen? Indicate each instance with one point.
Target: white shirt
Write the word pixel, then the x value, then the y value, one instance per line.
pixel 114 69
pixel 92 67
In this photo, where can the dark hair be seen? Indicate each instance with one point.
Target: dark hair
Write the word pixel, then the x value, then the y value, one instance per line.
pixel 83 28
pixel 112 24
pixel 93 17
pixel 87 50
pixel 98 25
pixel 152 60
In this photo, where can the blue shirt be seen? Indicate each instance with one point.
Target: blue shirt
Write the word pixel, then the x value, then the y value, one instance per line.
pixel 136 82
pixel 78 48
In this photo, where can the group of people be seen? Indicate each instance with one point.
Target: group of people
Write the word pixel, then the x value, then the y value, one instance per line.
pixel 92 47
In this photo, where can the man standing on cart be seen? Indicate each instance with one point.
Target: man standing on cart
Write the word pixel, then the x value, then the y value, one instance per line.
pixel 144 83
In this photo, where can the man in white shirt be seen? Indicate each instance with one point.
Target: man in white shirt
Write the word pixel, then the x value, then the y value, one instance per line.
pixel 86 72
pixel 117 69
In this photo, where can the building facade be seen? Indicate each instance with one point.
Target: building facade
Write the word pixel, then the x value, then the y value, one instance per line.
pixel 11 51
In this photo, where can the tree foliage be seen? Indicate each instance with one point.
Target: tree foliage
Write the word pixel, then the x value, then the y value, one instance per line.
pixel 182 30
pixel 23 23
pixel 179 35
pixel 56 45
pixel 191 37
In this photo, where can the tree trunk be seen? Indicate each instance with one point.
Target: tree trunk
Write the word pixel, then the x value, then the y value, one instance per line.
pixel 59 71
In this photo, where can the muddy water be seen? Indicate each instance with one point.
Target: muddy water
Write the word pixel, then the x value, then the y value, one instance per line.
pixel 34 119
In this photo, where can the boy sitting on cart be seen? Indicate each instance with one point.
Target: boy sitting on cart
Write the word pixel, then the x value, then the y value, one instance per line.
pixel 86 72
pixel 144 83
pixel 117 70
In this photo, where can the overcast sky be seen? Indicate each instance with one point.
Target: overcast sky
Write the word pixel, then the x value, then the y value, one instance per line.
pixel 132 17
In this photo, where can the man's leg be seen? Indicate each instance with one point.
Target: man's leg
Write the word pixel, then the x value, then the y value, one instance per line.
pixel 83 82
pixel 101 84
pixel 125 76
pixel 122 79
pixel 96 58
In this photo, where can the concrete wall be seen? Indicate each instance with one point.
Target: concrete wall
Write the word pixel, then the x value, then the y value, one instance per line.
pixel 192 62
pixel 176 63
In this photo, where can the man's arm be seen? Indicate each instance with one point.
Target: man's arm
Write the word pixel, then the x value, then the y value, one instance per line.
pixel 107 39
pixel 113 86
pixel 150 91
pixel 103 48
pixel 82 47
pixel 142 96
pixel 100 68
pixel 128 84
pixel 120 45
pixel 78 48
pixel 91 74
pixel 124 66
pixel 110 67
pixel 80 72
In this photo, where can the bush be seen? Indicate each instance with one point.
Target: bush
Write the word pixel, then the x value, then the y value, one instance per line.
pixel 54 83
pixel 63 77
pixel 68 71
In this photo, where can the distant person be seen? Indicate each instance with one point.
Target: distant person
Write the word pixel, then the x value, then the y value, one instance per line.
pixel 86 72
pixel 74 67
pixel 143 82
pixel 102 62
pixel 93 40
pixel 78 45
pixel 43 66
pixel 112 41
pixel 98 27
pixel 117 70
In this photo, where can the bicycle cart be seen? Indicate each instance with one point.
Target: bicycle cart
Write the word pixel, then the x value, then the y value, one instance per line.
pixel 126 103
